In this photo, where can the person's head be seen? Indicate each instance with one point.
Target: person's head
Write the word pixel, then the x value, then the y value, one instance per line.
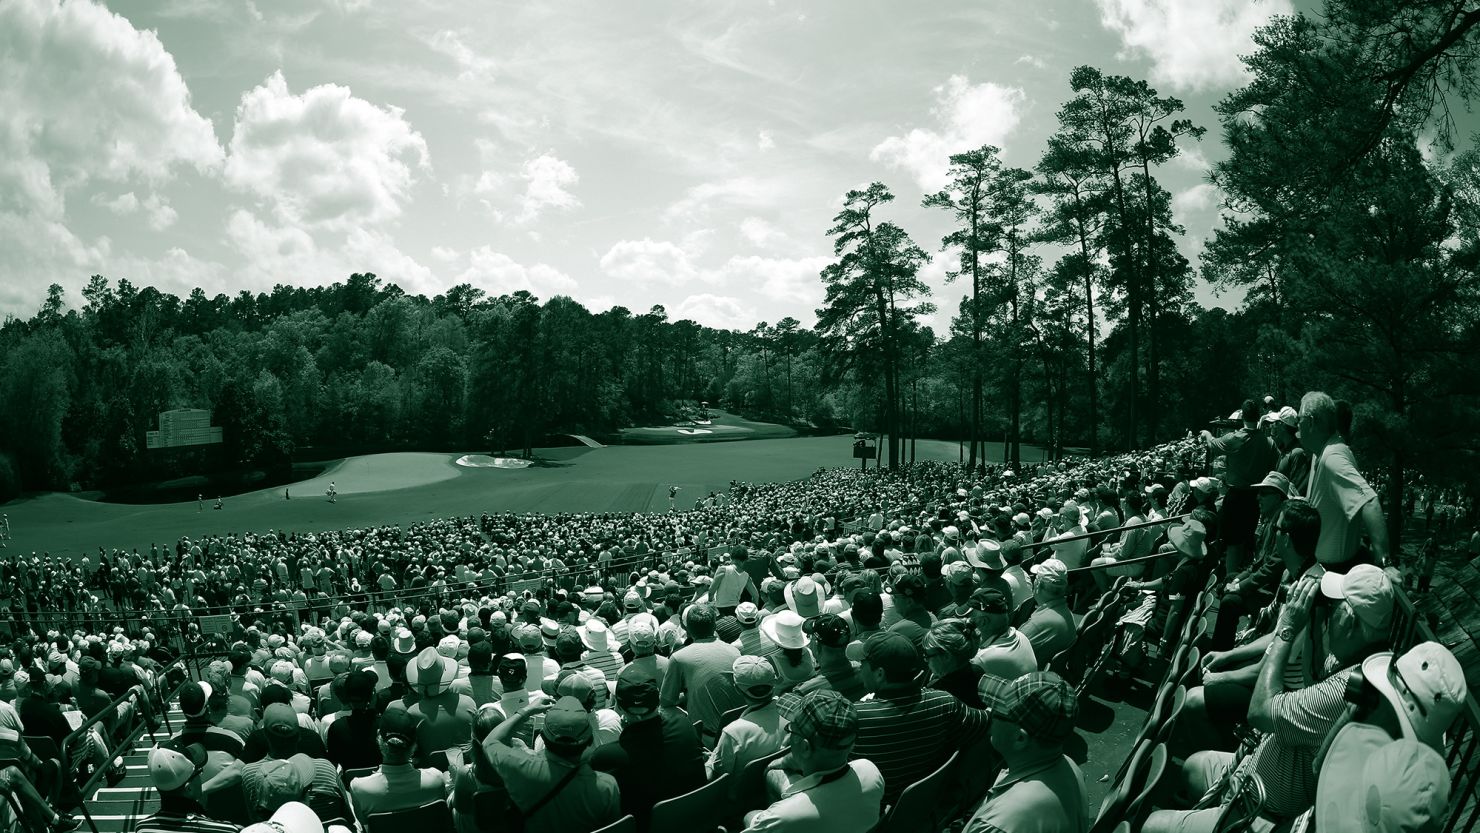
pixel 636 695
pixel 567 730
pixel 1133 503
pixel 755 678
pixel 888 659
pixel 175 769
pixel 1362 617
pixel 868 610
pixel 1299 528
pixel 949 645
pixel 195 701
pixel 909 593
pixel 485 721
pixel 480 658
pixel 823 731
pixel 397 736
pixel 1050 581
pixel 642 638
pixel 1422 692
pixel 280 725
pixel 512 671
pixel 991 612
pixel 830 632
pixel 699 621
pixel 1032 715
pixel 1318 421
pixel 1250 413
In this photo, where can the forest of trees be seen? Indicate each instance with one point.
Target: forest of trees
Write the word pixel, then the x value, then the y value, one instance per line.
pixel 1352 217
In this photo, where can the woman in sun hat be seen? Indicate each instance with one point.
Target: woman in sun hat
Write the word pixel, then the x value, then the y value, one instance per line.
pixel 794 663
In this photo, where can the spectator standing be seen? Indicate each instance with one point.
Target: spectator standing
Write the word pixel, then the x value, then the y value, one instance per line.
pixel 1249 454
pixel 1348 505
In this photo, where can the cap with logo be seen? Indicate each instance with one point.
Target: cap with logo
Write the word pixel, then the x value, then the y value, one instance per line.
pixel 172 764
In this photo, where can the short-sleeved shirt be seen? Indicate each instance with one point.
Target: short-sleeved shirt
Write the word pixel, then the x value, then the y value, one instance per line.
pixel 396 787
pixel 1050 628
pixel 844 801
pixel 1047 799
pixel 1283 760
pixel 589 801
pixel 1250 455
pixel 908 732
pixel 1338 492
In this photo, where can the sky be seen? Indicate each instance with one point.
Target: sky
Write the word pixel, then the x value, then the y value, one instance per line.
pixel 684 154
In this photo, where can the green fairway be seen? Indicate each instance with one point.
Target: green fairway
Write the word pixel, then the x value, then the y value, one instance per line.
pixel 408 487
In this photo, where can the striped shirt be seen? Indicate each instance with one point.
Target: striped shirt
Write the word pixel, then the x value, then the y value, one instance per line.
pixel 1284 759
pixel 191 819
pixel 609 663
pixel 753 643
pixel 908 732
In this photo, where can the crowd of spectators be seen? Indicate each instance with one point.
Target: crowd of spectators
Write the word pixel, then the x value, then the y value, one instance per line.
pixel 567 670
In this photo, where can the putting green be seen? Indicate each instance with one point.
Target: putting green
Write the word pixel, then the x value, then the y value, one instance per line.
pixel 406 488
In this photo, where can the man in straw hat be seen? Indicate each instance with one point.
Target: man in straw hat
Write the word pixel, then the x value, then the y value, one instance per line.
pixel 445 717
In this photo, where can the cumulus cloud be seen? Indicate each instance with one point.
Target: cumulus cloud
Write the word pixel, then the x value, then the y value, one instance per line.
pixel 761 233
pixel 87 98
pixel 790 282
pixel 1191 46
pixel 157 212
pixel 718 311
pixel 741 191
pixel 967 116
pixel 546 182
pixel 648 262
pixel 273 252
pixel 1032 60
pixel 324 158
pixel 764 141
pixel 498 274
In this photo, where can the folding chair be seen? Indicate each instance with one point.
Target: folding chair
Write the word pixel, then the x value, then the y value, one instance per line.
pixel 229 803
pixel 1156 769
pixel 729 717
pixel 1169 721
pixel 625 824
pixel 699 811
pixel 1113 809
pixel 434 815
pixel 922 804
pixel 748 790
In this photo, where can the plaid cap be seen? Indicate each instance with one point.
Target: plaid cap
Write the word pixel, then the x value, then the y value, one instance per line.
pixel 1041 703
pixel 910 586
pixel 827 719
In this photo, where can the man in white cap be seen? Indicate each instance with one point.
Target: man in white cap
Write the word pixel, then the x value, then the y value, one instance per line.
pixel 1050 628
pixel 760 729
pixel 1296 721
pixel 175 769
pixel 1371 782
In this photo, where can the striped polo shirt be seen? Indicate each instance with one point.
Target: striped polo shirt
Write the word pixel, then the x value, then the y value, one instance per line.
pixel 908 732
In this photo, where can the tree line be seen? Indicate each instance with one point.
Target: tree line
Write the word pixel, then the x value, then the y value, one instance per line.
pixel 1351 217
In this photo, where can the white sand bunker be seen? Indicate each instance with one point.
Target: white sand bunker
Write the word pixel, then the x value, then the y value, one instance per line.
pixel 483 461
pixel 690 432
